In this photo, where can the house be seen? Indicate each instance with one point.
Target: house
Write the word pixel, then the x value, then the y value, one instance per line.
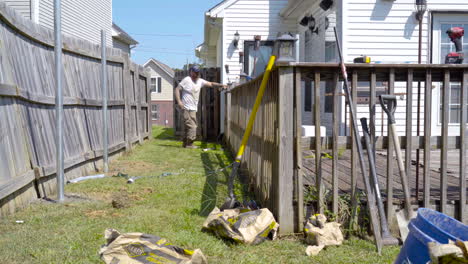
pixel 122 40
pixel 82 19
pixel 248 19
pixel 385 30
pixel 162 92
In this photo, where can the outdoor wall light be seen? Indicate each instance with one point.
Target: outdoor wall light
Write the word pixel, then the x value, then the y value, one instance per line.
pixel 421 7
pixel 326 4
pixel 285 48
pixel 312 23
pixel 236 39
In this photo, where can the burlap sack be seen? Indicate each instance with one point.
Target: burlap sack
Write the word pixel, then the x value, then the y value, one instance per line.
pixel 138 248
pixel 328 235
pixel 246 227
pixel 447 253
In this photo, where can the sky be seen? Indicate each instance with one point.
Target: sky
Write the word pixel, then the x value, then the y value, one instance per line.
pixel 168 31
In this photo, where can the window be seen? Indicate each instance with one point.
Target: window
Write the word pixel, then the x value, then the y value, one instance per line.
pixel 155 112
pixel 330 86
pixel 159 84
pixel 153 85
pixel 156 85
pixel 446 46
pixel 255 61
pixel 330 51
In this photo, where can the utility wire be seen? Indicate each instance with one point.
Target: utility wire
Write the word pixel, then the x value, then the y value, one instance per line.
pixel 163 35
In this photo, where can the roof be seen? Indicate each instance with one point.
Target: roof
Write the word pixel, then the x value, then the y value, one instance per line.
pixel 296 8
pixel 121 35
pixel 215 10
pixel 161 65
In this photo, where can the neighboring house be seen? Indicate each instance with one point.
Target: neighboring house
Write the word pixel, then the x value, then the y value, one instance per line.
pixel 386 30
pixel 80 18
pixel 162 92
pixel 122 40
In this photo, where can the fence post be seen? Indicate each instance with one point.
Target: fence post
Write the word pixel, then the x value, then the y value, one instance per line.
pixel 59 101
pixel 148 107
pixel 298 150
pixel 285 182
pixel 127 78
pixel 105 139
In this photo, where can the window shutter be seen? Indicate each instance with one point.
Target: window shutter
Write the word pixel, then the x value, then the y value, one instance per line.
pixel 159 84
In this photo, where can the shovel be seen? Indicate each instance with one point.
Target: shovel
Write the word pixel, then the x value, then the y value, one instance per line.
pixel 231 201
pixel 387 238
pixel 389 105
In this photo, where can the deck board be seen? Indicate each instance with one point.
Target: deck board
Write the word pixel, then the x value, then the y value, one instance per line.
pixel 344 174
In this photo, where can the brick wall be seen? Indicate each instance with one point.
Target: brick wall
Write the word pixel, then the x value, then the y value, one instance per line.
pixel 165 109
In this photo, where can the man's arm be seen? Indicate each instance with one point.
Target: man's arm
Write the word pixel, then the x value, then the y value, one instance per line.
pixel 216 85
pixel 177 96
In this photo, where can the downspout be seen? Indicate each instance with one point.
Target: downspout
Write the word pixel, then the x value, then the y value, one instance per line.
pixel 222 115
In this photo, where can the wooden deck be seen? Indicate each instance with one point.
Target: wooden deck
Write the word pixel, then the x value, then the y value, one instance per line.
pixel 344 169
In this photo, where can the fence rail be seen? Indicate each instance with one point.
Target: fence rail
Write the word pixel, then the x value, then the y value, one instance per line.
pixel 27 108
pixel 277 166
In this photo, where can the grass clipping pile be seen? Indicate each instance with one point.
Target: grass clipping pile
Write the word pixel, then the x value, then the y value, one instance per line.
pixel 242 225
pixel 139 248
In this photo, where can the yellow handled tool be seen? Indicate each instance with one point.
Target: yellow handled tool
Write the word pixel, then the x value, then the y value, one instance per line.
pixel 231 201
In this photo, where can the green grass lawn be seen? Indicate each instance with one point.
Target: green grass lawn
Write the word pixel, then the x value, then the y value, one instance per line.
pixel 173 207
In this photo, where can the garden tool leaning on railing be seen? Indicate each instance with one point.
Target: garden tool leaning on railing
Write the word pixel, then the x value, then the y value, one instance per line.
pixel 231 201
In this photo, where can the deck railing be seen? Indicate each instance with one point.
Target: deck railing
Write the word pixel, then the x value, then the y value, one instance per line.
pixel 274 158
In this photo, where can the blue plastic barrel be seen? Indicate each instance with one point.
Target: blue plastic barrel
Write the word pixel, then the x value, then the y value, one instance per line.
pixel 429 226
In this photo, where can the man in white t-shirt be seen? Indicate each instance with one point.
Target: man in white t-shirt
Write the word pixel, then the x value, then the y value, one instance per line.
pixel 189 89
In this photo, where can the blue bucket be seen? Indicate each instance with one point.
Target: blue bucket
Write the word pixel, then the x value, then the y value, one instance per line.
pixel 429 226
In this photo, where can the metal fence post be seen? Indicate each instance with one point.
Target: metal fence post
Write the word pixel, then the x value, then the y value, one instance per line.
pixel 59 101
pixel 105 140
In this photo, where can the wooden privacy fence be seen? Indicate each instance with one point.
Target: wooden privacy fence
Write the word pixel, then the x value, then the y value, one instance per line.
pixel 208 114
pixel 27 108
pixel 275 162
pixel 267 160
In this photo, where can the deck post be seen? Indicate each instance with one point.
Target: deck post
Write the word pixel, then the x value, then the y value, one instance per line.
pixel 285 181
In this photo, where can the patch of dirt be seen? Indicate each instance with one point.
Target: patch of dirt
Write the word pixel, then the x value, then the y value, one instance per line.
pixel 101 196
pixel 101 214
pixel 141 194
pixel 121 199
pixel 96 214
pixel 131 167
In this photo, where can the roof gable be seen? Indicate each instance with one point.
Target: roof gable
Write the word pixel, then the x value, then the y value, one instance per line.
pixel 162 66
pixel 214 11
pixel 121 35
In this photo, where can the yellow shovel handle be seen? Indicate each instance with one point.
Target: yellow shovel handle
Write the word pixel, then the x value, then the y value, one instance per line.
pixel 253 115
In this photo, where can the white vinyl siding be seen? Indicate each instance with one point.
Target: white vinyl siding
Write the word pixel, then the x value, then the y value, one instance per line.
pixel 250 18
pixel 80 18
pixel 21 6
pixel 120 45
pixel 388 31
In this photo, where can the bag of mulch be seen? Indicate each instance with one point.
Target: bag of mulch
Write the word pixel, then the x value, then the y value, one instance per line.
pixel 137 248
pixel 320 233
pixel 242 226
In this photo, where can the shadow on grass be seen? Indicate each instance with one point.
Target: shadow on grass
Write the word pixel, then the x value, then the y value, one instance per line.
pixel 210 197
pixel 164 133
